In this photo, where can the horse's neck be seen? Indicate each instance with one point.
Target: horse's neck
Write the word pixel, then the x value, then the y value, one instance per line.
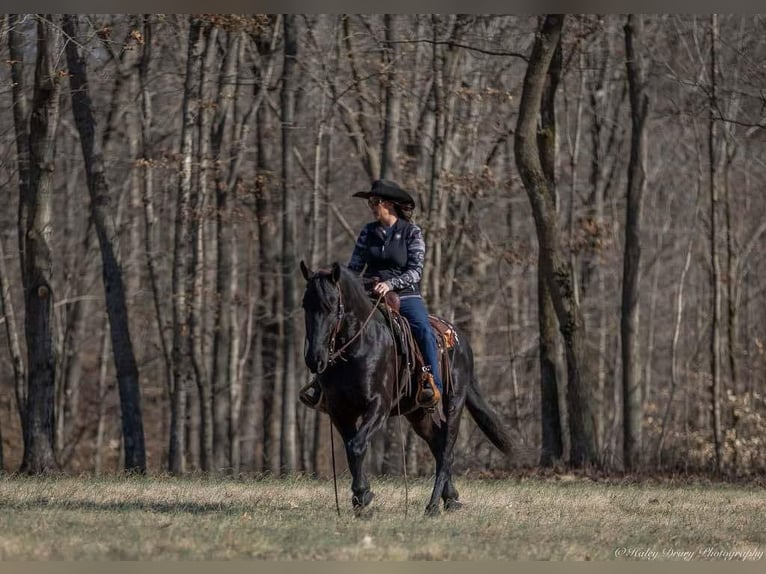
pixel 356 304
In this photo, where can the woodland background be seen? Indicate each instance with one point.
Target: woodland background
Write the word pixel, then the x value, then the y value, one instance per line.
pixel 163 175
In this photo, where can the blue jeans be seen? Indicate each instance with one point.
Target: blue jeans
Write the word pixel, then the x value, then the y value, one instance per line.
pixel 414 310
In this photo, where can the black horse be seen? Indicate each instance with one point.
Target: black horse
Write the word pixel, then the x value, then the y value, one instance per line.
pixel 361 387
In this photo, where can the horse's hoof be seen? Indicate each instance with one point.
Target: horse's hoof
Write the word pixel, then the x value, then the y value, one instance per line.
pixel 452 504
pixel 362 513
pixel 432 510
pixel 359 502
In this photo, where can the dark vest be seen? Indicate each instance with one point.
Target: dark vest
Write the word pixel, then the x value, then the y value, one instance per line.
pixel 387 258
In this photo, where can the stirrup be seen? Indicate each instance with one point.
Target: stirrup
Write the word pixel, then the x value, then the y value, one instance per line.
pixel 312 396
pixel 428 395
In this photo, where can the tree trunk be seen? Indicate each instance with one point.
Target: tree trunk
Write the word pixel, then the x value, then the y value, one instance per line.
pixel 552 446
pixel 75 320
pixel 199 209
pixel 632 399
pixel 21 131
pixel 715 339
pixel 356 120
pixel 151 242
pixel 319 224
pixel 21 127
pixel 183 375
pixel 268 300
pixel 432 273
pixel 234 368
pixel 237 363
pixel 674 352
pixel 222 334
pixel 557 274
pixel 593 274
pixel 389 164
pixel 103 366
pixel 289 213
pixel 114 287
pixel 38 260
pixel 9 317
pixel 732 289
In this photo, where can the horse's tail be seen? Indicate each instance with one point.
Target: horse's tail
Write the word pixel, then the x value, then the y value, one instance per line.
pixel 488 421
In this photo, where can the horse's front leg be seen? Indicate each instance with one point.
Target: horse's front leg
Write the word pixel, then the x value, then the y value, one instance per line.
pixel 356 450
pixel 360 487
pixel 372 419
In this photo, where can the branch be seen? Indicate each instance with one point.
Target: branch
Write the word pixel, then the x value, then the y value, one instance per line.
pixel 453 44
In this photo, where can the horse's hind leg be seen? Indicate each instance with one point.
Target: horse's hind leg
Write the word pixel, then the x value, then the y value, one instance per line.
pixel 441 441
pixel 443 486
pixel 450 495
pixel 425 429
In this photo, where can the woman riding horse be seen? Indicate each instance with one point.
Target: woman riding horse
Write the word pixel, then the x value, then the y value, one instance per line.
pixel 391 252
pixel 362 378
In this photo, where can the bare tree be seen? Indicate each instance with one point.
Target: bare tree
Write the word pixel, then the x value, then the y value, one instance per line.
pixel 8 315
pixel 204 415
pixel 631 361
pixel 552 445
pixel 21 130
pixel 146 162
pixel 289 213
pixel 38 258
pixel 112 273
pixel 269 298
pixel 103 367
pixel 183 262
pixel 222 376
pixel 715 279
pixel 557 274
pixel 21 127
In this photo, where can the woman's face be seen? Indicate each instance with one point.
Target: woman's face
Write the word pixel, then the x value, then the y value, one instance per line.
pixel 380 207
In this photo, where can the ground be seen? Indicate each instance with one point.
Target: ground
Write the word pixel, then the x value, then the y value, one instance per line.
pixel 566 518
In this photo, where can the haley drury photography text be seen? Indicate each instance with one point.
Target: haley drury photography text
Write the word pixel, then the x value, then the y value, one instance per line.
pixel 687 554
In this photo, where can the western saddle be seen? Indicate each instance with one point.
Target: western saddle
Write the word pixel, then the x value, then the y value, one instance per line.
pixel 411 355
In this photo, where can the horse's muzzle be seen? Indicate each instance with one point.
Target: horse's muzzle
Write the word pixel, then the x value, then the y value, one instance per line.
pixel 317 362
pixel 321 366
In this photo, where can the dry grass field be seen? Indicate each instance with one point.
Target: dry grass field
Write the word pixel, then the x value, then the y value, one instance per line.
pixel 503 519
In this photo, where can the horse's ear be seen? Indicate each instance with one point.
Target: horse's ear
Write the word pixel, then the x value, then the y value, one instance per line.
pixel 335 272
pixel 305 270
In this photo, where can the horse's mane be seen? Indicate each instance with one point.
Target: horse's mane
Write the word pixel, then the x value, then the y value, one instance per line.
pixel 351 285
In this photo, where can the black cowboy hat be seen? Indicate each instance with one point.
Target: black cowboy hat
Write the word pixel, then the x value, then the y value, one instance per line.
pixel 389 190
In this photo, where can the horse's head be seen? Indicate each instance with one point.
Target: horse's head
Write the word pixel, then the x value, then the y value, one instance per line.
pixel 323 310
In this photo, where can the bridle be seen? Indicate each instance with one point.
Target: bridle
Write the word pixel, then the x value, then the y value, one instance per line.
pixel 340 313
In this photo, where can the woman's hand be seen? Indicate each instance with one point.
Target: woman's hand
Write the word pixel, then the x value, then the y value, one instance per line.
pixel 381 288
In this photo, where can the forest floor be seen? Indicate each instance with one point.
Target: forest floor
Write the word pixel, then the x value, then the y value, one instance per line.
pixel 569 518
